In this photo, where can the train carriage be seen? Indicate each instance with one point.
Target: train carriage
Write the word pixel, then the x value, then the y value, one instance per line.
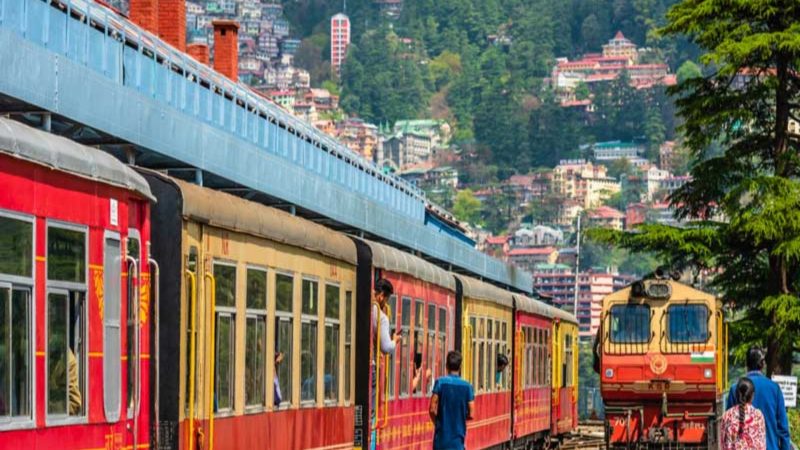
pixel 533 329
pixel 422 309
pixel 242 281
pixel 74 295
pixel 564 378
pixel 661 350
pixel 487 319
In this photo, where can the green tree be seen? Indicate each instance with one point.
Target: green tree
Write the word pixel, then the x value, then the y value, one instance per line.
pixel 687 71
pixel 654 132
pixel 752 181
pixel 466 207
pixel 582 91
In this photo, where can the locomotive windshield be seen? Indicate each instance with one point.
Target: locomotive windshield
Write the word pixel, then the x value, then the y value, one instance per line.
pixel 630 324
pixel 688 323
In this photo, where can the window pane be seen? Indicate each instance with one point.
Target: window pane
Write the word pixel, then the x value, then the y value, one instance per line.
pixel 224 362
pixel 283 344
pixel 57 354
pixel 331 362
pixel 5 349
pixel 225 277
pixel 18 404
pixel 308 361
pixel 630 324
pixel 254 361
pixel 283 292
pixel 310 298
pixel 431 317
pixel 688 323
pixel 16 247
pixel 392 365
pixel 405 316
pixel 348 310
pixel 443 320
pixel 133 249
pixel 332 302
pixel 66 255
pixel 256 289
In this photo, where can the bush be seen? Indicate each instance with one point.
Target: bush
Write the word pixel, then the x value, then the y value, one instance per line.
pixel 794 425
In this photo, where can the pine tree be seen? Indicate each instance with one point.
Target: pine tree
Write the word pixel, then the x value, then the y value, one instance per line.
pixel 750 187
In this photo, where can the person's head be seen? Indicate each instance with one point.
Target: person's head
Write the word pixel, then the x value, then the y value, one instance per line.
pixel 756 359
pixel 502 362
pixel 454 361
pixel 745 390
pixel 383 290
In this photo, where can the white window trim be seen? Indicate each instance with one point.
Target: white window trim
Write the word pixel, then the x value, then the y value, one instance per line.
pixel 230 311
pixel 23 423
pixel 66 286
pixel 251 313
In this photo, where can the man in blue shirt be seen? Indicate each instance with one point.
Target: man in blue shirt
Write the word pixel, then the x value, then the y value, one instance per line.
pixel 768 399
pixel 452 404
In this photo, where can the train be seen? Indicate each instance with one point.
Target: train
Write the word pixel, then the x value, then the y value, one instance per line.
pixel 660 353
pixel 138 310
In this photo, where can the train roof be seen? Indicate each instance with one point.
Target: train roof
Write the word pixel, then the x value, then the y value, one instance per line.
pixel 482 290
pixel 234 213
pixel 394 260
pixel 532 306
pixel 560 314
pixel 46 149
pixel 678 292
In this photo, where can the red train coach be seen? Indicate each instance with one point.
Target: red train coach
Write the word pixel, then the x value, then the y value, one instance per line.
pixel 74 295
pixel 422 308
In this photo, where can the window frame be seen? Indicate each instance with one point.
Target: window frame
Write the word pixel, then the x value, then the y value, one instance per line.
pixel 420 334
pixel 288 317
pixel 307 319
pixel 348 346
pixel 66 287
pixel 394 369
pixel 113 416
pixel 132 233
pixel 688 342
pixel 649 337
pixel 336 324
pixel 405 359
pixel 29 283
pixel 254 313
pixel 232 312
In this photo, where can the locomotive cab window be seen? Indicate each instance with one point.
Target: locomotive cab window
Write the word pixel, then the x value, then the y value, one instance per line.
pixel 688 323
pixel 630 324
pixel 16 282
pixel 66 321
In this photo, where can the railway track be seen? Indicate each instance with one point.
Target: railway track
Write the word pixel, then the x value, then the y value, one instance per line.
pixel 588 436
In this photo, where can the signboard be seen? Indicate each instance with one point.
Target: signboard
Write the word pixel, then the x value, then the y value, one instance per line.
pixel 113 213
pixel 788 388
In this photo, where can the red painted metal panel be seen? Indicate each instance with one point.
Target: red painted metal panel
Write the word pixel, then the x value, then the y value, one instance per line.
pixel 50 195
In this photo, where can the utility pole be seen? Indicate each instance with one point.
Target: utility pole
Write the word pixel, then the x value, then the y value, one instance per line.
pixel 577 267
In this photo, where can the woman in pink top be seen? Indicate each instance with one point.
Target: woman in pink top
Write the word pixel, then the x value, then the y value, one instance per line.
pixel 743 425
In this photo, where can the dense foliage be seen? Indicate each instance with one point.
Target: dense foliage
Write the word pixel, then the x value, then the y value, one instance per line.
pixel 746 168
pixel 482 63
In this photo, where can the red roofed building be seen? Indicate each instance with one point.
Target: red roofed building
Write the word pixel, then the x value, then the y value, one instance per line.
pixel 526 258
pixel 606 217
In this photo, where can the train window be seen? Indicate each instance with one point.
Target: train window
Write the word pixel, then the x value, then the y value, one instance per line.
pixel 112 281
pixel 284 336
pixel 66 255
pixel 630 324
pixel 430 368
pixel 16 282
pixel 392 365
pixel 568 363
pixel 255 338
pixel 191 266
pixel 442 341
pixel 419 343
pixel 405 316
pixel 348 344
pixel 66 321
pixel 331 379
pixel 225 335
pixel 308 341
pixel 688 323
pixel 16 247
pixel 133 251
pixel 548 357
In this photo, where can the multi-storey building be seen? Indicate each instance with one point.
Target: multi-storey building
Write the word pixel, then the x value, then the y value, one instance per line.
pixel 620 46
pixel 340 41
pixel 584 182
pixel 557 282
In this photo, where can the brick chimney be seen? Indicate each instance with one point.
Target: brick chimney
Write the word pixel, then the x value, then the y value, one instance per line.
pixel 145 14
pixel 172 22
pixel 226 48
pixel 198 51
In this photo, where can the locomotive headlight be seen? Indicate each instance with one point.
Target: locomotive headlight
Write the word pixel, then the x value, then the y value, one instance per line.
pixel 708 373
pixel 609 373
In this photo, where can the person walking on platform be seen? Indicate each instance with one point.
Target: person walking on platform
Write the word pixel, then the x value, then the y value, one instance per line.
pixel 768 399
pixel 451 405
pixel 743 426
